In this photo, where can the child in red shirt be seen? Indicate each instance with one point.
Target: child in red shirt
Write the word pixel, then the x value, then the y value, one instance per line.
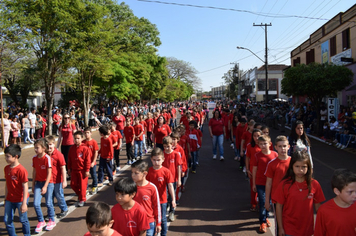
pixel 337 216
pixel 130 218
pixel 245 139
pixel 106 155
pixel 94 149
pixel 99 220
pixel 176 147
pixel 194 140
pixel 183 141
pixel 147 196
pixel 42 185
pixel 173 162
pixel 139 131
pixel 16 190
pixel 79 161
pixel 150 127
pixel 59 175
pixel 259 179
pixel 129 134
pixel 144 125
pixel 275 171
pixel 163 179
pixel 296 195
pixel 118 138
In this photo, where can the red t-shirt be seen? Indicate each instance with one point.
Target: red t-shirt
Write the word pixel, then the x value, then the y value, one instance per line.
pixel 161 132
pixel 79 158
pixel 333 220
pixel 247 137
pixel 15 177
pixel 129 222
pixel 117 136
pixel 58 161
pixel 194 140
pixel 276 170
pixel 144 124
pixel 238 132
pixel 149 123
pixel 251 153
pixel 57 118
pixel 172 161
pixel 138 129
pixel 217 126
pixel 67 134
pixel 148 197
pixel 298 210
pixel 115 233
pixel 41 165
pixel 129 133
pixel 161 178
pixel 180 150
pixel 93 147
pixel 119 121
pixel 106 148
pixel 197 117
pixel 261 161
pixel 185 123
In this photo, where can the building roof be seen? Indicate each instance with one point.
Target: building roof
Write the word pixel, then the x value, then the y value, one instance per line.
pixel 273 67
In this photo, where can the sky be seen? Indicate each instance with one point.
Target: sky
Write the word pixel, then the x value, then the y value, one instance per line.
pixel 207 37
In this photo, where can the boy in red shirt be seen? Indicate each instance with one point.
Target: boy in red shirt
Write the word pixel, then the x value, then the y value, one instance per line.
pixel 99 220
pixel 337 216
pixel 139 131
pixel 245 139
pixel 16 190
pixel 237 133
pixel 147 196
pixel 118 137
pixel 173 162
pixel 150 126
pixel 176 147
pixel 94 149
pixel 183 141
pixel 129 134
pixel 163 179
pixel 106 156
pixel 259 179
pixel 275 171
pixel 194 140
pixel 144 125
pixel 79 161
pixel 130 218
pixel 59 175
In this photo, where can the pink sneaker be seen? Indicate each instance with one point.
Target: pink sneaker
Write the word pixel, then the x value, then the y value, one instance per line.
pixel 40 226
pixel 50 225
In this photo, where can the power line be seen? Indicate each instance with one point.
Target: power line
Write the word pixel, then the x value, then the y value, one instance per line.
pixel 236 10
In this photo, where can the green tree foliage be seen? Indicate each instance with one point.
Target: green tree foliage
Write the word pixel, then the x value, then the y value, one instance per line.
pixel 316 81
pixel 231 79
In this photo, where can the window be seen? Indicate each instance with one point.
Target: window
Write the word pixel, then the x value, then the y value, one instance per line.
pixel 333 46
pixel 346 39
pixel 296 61
pixel 261 85
pixel 310 56
pixel 272 84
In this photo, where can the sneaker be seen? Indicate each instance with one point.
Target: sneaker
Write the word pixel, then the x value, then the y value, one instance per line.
pixel 214 157
pixel 343 147
pixel 244 169
pixel 194 172
pixel 62 214
pixel 146 151
pixel 221 158
pixel 338 145
pixel 40 226
pixel 118 169
pixel 80 204
pixel 236 158
pixel 100 184
pixel 335 141
pixel 110 183
pixel 197 163
pixel 253 208
pixel 94 190
pixel 232 145
pixel 171 217
pixel 263 228
pixel 268 223
pixel 50 225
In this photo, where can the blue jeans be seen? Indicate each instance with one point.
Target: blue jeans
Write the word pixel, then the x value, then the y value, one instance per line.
pixel 164 219
pixel 194 160
pixel 344 138
pixel 107 165
pixel 58 193
pixel 10 208
pixel 37 196
pixel 218 140
pixel 151 231
pixel 93 176
pixel 138 145
pixel 169 198
pixel 261 194
pixel 27 135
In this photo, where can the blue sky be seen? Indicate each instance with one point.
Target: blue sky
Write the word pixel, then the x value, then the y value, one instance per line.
pixel 207 38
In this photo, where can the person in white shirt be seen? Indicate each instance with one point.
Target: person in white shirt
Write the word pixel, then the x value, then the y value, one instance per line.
pixel 32 118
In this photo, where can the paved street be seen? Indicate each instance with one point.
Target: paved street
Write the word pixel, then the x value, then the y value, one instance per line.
pixel 216 200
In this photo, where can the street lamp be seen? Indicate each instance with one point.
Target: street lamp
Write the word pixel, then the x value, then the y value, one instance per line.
pixel 266 68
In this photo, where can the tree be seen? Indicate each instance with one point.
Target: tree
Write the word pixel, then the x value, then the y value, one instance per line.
pixel 184 71
pixel 231 78
pixel 316 81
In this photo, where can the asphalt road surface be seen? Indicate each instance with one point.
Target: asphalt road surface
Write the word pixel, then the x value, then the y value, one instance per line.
pixel 216 200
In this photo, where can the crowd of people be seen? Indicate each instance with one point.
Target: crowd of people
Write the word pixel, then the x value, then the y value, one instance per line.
pixel 280 174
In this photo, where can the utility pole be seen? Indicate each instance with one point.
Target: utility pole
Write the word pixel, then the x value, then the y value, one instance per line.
pixel 266 56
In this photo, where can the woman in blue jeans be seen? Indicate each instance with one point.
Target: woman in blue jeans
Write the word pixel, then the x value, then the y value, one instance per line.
pixel 217 132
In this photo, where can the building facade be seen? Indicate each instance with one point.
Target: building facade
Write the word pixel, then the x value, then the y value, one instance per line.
pixel 334 42
pixel 219 93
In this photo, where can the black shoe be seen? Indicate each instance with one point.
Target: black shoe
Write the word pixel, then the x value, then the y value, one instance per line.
pixel 62 214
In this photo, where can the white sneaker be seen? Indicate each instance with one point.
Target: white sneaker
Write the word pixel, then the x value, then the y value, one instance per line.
pixel 244 169
pixel 118 168
pixel 221 158
pixel 232 145
pixel 214 157
pixel 343 147
pixel 338 145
